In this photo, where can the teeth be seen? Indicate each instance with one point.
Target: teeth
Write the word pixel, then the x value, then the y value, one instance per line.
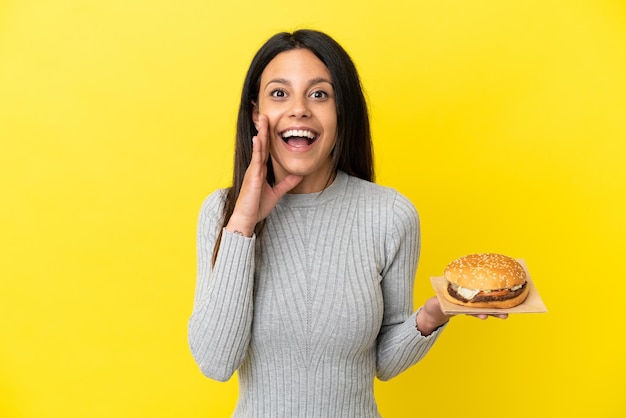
pixel 299 132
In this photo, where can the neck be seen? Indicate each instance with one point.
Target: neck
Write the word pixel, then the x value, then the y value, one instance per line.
pixel 312 184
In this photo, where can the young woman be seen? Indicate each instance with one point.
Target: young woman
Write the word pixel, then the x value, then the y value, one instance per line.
pixel 305 266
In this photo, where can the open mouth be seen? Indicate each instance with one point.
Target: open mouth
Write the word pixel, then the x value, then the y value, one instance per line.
pixel 299 137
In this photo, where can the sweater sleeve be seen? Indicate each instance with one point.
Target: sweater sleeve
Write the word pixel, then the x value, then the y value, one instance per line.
pixel 220 323
pixel 400 344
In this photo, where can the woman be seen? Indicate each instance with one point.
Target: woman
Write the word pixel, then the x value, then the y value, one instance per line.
pixel 305 266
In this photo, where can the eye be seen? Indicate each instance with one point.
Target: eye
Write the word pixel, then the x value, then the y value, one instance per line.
pixel 278 93
pixel 319 94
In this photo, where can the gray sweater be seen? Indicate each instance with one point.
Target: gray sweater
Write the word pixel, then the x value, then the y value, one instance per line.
pixel 314 308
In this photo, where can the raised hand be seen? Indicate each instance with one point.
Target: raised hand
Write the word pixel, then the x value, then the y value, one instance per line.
pixel 257 198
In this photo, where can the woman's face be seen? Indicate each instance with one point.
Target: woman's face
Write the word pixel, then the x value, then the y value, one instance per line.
pixel 297 96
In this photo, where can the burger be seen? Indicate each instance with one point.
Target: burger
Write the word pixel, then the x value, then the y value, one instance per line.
pixel 485 280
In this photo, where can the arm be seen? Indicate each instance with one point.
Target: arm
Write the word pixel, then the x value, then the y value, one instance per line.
pixel 219 327
pixel 400 344
pixel 220 324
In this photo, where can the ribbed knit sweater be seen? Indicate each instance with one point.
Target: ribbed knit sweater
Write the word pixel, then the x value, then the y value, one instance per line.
pixel 314 308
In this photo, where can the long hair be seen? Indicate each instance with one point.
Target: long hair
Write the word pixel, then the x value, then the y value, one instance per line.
pixel 353 149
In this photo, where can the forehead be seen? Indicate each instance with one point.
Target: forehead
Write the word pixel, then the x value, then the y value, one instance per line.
pixel 296 64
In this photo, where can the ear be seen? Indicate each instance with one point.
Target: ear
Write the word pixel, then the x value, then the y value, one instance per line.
pixel 255 115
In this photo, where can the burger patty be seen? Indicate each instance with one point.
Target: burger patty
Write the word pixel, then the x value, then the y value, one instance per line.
pixel 486 297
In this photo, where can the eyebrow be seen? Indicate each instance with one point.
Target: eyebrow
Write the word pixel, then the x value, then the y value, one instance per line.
pixel 311 82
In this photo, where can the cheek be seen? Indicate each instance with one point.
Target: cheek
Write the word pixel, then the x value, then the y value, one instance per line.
pixel 331 121
pixel 272 118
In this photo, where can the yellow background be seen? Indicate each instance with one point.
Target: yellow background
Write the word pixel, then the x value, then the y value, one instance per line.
pixel 503 121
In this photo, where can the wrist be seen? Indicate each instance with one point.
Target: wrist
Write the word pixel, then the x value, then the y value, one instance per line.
pixel 238 223
pixel 239 228
pixel 426 323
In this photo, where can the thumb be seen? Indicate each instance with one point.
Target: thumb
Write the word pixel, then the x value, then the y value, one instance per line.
pixel 286 184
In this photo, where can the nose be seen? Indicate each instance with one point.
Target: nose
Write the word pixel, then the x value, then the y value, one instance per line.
pixel 300 108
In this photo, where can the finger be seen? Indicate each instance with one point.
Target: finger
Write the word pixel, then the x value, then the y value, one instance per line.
pixel 257 157
pixel 258 153
pixel 263 139
pixel 485 316
pixel 479 316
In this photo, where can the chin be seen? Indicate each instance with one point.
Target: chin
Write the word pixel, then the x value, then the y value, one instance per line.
pixel 300 168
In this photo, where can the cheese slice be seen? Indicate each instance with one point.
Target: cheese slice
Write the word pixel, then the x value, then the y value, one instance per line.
pixel 470 293
pixel 464 291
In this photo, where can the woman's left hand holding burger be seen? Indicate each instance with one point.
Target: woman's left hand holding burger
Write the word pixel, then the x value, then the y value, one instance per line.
pixel 431 316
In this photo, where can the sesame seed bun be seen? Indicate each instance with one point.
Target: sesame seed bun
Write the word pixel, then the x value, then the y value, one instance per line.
pixel 487 280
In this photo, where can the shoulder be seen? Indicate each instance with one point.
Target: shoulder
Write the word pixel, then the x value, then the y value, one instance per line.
pixel 378 195
pixel 367 188
pixel 213 204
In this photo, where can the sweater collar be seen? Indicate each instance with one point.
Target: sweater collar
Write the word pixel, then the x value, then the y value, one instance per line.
pixel 336 188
